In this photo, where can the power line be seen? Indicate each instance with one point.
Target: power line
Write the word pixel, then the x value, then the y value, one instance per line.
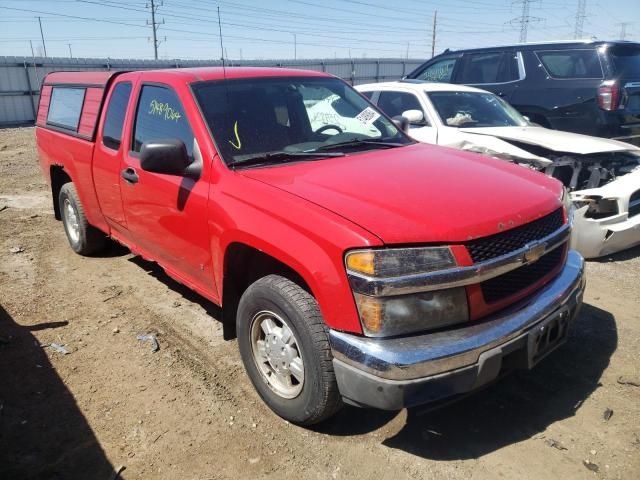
pixel 238 37
pixel 581 13
pixel 205 19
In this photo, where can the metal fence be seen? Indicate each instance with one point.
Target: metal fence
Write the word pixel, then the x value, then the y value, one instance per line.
pixel 21 77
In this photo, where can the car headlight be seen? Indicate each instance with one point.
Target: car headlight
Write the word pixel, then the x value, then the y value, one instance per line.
pixel 598 207
pixel 404 314
pixel 383 316
pixel 398 262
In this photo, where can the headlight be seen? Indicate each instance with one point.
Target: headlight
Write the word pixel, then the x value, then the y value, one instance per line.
pixel 598 207
pixel 398 262
pixel 404 314
pixel 383 316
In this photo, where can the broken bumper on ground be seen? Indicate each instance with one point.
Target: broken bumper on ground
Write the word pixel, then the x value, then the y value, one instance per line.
pixel 401 372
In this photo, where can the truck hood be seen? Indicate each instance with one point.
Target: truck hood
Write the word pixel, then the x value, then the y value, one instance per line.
pixel 554 139
pixel 419 193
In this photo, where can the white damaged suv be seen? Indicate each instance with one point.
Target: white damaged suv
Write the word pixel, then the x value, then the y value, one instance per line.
pixel 602 174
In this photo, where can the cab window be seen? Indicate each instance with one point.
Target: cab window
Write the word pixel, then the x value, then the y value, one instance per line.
pixel 161 116
pixel 114 120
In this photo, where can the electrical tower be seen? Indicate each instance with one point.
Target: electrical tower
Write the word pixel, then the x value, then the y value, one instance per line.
pixel 524 19
pixel 153 6
pixel 581 13
pixel 623 29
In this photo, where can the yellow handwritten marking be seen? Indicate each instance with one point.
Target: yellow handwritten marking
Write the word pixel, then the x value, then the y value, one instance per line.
pixel 235 130
pixel 164 110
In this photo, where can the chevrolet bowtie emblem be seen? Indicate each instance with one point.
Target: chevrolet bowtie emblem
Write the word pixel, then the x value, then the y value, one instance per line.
pixel 535 252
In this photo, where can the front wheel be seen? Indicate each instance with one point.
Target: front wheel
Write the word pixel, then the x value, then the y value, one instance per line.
pixel 285 350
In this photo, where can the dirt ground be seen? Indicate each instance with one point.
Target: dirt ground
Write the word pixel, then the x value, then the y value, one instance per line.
pixel 189 412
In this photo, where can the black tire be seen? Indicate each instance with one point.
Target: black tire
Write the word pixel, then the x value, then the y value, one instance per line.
pixel 89 239
pixel 319 397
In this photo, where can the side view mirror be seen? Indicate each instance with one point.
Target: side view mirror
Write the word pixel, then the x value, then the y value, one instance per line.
pixel 413 116
pixel 165 156
pixel 401 122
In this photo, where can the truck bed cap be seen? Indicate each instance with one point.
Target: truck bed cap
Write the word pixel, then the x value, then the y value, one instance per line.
pixel 97 79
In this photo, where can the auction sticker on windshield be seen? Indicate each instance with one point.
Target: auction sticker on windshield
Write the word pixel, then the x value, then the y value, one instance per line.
pixel 368 116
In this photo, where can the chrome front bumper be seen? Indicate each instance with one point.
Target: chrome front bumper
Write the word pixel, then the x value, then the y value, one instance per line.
pixel 398 372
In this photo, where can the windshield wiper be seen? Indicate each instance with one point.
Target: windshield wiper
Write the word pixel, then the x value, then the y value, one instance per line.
pixel 357 142
pixel 281 157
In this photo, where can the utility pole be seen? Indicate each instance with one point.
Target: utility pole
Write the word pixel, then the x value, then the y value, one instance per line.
pixel 70 53
pixel 433 34
pixel 31 45
pixel 155 25
pixel 581 13
pixel 221 44
pixel 623 29
pixel 407 50
pixel 295 46
pixel 525 19
pixel 44 45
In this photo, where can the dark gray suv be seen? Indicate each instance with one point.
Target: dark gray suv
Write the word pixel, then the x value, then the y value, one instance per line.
pixel 584 87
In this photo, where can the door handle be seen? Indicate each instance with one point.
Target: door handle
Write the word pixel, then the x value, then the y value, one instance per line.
pixel 130 175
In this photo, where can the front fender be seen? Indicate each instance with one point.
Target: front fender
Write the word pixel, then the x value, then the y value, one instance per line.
pixel 307 238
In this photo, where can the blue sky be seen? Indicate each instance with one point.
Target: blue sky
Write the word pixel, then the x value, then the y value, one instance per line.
pixel 306 28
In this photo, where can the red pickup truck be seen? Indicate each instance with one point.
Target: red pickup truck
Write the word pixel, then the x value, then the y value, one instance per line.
pixel 352 264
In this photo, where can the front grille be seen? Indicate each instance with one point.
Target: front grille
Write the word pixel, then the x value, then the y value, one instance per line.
pixel 506 242
pixel 634 204
pixel 510 283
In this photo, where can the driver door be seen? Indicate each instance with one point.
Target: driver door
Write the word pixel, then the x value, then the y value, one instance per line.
pixel 166 215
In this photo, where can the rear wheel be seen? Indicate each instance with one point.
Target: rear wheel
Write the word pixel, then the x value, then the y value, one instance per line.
pixel 285 350
pixel 83 238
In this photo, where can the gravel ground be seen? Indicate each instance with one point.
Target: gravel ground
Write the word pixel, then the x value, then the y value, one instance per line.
pixel 189 412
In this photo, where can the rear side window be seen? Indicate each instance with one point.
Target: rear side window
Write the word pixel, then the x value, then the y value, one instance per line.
pixel 481 68
pixel 440 71
pixel 161 116
pixel 571 63
pixel 395 103
pixel 626 61
pixel 65 107
pixel 114 121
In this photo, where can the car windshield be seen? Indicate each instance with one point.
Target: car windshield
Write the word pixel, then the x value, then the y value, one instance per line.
pixel 284 119
pixel 475 110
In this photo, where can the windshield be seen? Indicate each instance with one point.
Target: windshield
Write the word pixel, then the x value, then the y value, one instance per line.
pixel 285 118
pixel 475 110
pixel 626 61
